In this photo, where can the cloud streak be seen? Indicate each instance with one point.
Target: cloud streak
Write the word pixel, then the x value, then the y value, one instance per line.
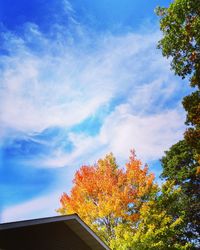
pixel 66 85
pixel 63 89
pixel 42 206
pixel 51 86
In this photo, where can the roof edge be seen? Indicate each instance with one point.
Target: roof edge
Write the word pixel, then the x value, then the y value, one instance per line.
pixel 37 221
pixel 60 218
pixel 90 231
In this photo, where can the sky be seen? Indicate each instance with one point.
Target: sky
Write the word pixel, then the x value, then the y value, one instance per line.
pixel 79 79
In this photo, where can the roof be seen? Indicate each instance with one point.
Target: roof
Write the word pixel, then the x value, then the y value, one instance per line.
pixel 72 222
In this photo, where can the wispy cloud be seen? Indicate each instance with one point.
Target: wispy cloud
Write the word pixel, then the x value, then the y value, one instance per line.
pixel 65 85
pixel 47 84
pixel 64 88
pixel 149 135
pixel 43 206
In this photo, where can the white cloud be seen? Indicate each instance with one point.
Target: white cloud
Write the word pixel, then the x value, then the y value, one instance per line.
pixel 34 98
pixel 65 84
pixel 149 135
pixel 42 206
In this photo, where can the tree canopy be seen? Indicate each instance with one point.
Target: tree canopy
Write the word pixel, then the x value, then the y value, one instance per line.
pixel 157 228
pixel 180 24
pixel 125 207
pixel 106 196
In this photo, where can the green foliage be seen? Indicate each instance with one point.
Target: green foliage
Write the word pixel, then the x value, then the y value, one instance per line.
pixel 191 104
pixel 180 24
pixel 158 228
pixel 179 164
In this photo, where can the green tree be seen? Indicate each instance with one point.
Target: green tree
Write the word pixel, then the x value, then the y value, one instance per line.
pixel 180 24
pixel 158 227
pixel 179 164
pixel 191 104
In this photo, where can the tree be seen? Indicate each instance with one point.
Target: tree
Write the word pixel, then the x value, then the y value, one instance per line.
pixel 180 24
pixel 158 227
pixel 179 165
pixel 106 196
pixel 191 104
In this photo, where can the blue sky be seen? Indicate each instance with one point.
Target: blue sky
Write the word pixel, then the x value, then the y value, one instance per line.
pixel 79 79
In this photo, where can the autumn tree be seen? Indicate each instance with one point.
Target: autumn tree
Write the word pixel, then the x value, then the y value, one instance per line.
pixel 106 196
pixel 158 227
pixel 180 24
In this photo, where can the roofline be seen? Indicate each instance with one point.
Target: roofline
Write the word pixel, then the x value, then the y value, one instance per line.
pixel 31 222
pixel 37 221
pixel 91 232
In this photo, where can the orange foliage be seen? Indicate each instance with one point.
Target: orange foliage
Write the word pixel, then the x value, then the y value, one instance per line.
pixel 106 194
